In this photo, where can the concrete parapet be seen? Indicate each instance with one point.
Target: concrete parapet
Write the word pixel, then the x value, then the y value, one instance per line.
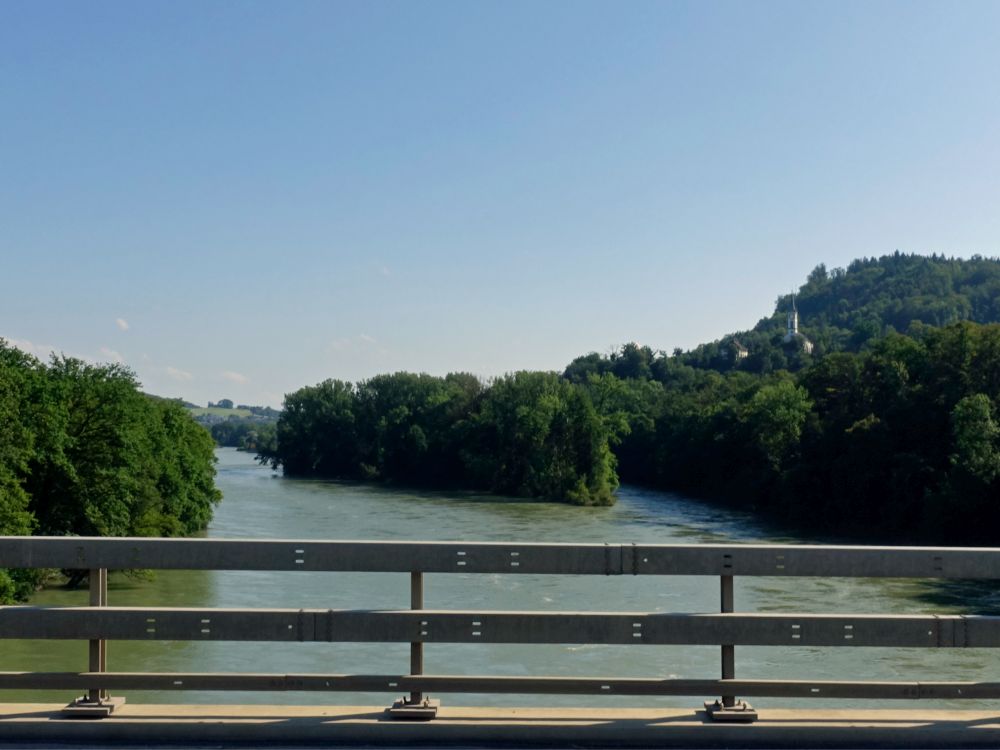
pixel 152 725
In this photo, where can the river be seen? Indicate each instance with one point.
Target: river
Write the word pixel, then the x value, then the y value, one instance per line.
pixel 258 504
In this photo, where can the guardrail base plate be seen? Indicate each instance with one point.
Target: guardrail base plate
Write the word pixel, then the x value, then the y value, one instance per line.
pixel 426 710
pixel 84 708
pixel 741 711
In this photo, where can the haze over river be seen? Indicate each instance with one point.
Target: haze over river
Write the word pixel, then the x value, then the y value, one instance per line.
pixel 258 504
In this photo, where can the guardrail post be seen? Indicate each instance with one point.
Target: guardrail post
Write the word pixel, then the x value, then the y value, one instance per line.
pixel 728 650
pixel 417 647
pixel 96 703
pixel 98 580
pixel 417 706
pixel 728 707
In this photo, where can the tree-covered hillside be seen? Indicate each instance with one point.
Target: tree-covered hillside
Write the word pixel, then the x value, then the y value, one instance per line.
pixel 887 428
pixel 847 309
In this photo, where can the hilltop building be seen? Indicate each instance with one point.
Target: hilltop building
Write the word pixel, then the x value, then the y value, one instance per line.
pixel 793 338
pixel 734 350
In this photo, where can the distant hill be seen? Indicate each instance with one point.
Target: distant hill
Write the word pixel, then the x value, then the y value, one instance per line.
pixel 218 411
pixel 182 402
pixel 848 309
pixel 241 426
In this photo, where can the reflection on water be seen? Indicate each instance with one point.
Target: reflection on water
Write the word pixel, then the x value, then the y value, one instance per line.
pixel 259 505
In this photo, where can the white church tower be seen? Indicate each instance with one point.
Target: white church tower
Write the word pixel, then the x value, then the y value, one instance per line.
pixel 793 337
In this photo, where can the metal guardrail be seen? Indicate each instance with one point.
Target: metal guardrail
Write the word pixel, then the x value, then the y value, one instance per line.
pixel 99 622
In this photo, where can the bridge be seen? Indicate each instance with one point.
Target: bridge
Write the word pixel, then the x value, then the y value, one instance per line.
pixel 719 715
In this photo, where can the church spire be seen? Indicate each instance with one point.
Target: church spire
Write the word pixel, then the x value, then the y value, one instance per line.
pixel 793 319
pixel 793 337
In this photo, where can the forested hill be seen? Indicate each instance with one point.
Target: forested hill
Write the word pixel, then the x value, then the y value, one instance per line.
pixel 895 290
pixel 887 429
pixel 847 309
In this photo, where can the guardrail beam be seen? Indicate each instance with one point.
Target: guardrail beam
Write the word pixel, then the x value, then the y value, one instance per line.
pixel 478 626
pixel 118 553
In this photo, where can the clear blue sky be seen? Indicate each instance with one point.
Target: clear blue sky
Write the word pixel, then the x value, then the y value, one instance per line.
pixel 240 198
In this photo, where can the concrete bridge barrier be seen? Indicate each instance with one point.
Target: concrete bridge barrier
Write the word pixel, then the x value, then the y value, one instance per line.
pixel 100 623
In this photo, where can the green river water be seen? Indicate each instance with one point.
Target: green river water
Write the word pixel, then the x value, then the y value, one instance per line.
pixel 259 504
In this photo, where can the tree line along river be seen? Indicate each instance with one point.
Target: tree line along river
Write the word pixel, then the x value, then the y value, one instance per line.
pixel 260 505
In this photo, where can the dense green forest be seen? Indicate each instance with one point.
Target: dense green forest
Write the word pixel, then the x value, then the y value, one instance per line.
pixel 886 429
pixel 530 434
pixel 84 452
pixel 898 441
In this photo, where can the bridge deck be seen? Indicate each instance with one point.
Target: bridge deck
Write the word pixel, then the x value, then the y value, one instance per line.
pixel 531 727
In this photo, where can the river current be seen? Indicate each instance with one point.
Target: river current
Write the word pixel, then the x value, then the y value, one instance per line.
pixel 259 504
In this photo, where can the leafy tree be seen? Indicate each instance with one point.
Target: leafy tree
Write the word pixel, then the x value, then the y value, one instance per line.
pixel 316 433
pixel 83 451
pixel 775 415
pixel 975 438
pixel 539 436
pixel 583 367
pixel 16 439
